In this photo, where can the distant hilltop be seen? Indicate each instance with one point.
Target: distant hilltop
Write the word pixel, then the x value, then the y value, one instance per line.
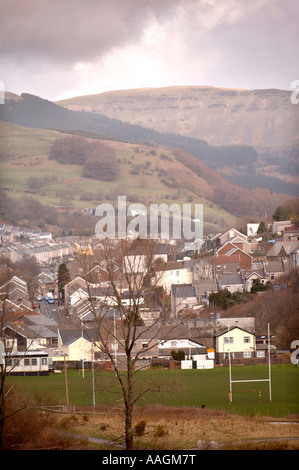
pixel 221 116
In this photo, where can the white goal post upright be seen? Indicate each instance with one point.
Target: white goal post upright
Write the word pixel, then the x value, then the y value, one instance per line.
pixel 251 380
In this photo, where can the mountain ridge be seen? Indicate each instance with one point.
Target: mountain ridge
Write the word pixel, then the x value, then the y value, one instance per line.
pixel 260 118
pixel 200 181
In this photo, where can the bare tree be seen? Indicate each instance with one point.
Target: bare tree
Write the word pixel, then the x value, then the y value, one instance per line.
pixel 8 342
pixel 6 314
pixel 128 280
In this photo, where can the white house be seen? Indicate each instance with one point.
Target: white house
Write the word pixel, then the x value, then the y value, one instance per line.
pixel 77 345
pixel 175 272
pixel 235 343
pixel 138 258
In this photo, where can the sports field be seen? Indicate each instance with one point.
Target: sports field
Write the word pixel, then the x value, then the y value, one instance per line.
pixel 179 388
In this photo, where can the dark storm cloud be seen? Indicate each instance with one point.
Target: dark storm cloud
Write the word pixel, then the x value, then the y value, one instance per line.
pixel 74 30
pixel 62 48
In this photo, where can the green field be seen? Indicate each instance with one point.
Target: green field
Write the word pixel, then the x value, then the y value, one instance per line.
pixel 179 388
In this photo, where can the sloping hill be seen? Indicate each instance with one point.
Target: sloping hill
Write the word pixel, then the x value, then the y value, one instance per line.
pixel 34 112
pixel 146 175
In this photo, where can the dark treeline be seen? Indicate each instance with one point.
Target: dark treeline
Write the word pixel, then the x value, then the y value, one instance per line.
pixel 98 160
pixel 271 183
pixel 235 199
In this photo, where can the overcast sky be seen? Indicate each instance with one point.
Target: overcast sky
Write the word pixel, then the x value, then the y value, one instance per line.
pixel 62 48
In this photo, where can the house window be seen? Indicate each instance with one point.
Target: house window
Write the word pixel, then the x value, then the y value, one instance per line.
pixel 144 345
pixel 218 268
pixel 246 339
pixel 226 355
pixel 229 340
pixel 34 361
pixel 177 273
pixel 260 354
pixel 26 362
pixel 246 354
pixel 44 361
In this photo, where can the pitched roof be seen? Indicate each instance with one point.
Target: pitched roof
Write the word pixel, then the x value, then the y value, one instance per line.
pixel 242 235
pixel 235 249
pixel 288 247
pixel 70 336
pixel 233 328
pixel 274 266
pixel 250 272
pixel 231 279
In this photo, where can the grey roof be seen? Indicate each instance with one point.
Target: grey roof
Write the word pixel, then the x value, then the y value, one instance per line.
pixel 205 285
pixel 231 279
pixel 274 266
pixel 69 336
pixel 39 320
pixel 288 246
pixel 183 290
pixel 179 264
pixel 248 272
pixel 43 332
pixel 35 326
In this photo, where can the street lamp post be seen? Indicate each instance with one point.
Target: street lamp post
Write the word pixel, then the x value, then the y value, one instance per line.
pixel 66 384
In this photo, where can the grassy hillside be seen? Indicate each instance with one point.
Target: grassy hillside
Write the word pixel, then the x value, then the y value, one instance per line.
pixel 16 141
pixel 245 162
pixel 144 177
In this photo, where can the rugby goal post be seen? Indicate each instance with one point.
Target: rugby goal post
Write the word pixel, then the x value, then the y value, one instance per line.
pixel 251 380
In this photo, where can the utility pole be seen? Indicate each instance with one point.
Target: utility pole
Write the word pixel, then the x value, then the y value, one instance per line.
pixel 93 389
pixel 66 384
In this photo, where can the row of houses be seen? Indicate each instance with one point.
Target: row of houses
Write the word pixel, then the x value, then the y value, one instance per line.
pixel 14 295
pixel 44 253
pixel 10 233
pixel 34 344
pixel 231 264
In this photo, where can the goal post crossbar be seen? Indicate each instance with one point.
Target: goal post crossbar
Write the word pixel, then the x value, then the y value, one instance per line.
pixel 230 394
pixel 253 380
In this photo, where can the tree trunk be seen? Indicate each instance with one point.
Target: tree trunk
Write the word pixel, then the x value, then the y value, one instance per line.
pixel 129 406
pixel 1 426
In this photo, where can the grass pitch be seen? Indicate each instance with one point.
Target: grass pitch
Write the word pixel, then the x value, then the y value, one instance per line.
pixel 177 388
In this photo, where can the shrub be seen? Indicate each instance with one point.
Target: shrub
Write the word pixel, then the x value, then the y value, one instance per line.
pixel 68 421
pixel 139 429
pixel 160 431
